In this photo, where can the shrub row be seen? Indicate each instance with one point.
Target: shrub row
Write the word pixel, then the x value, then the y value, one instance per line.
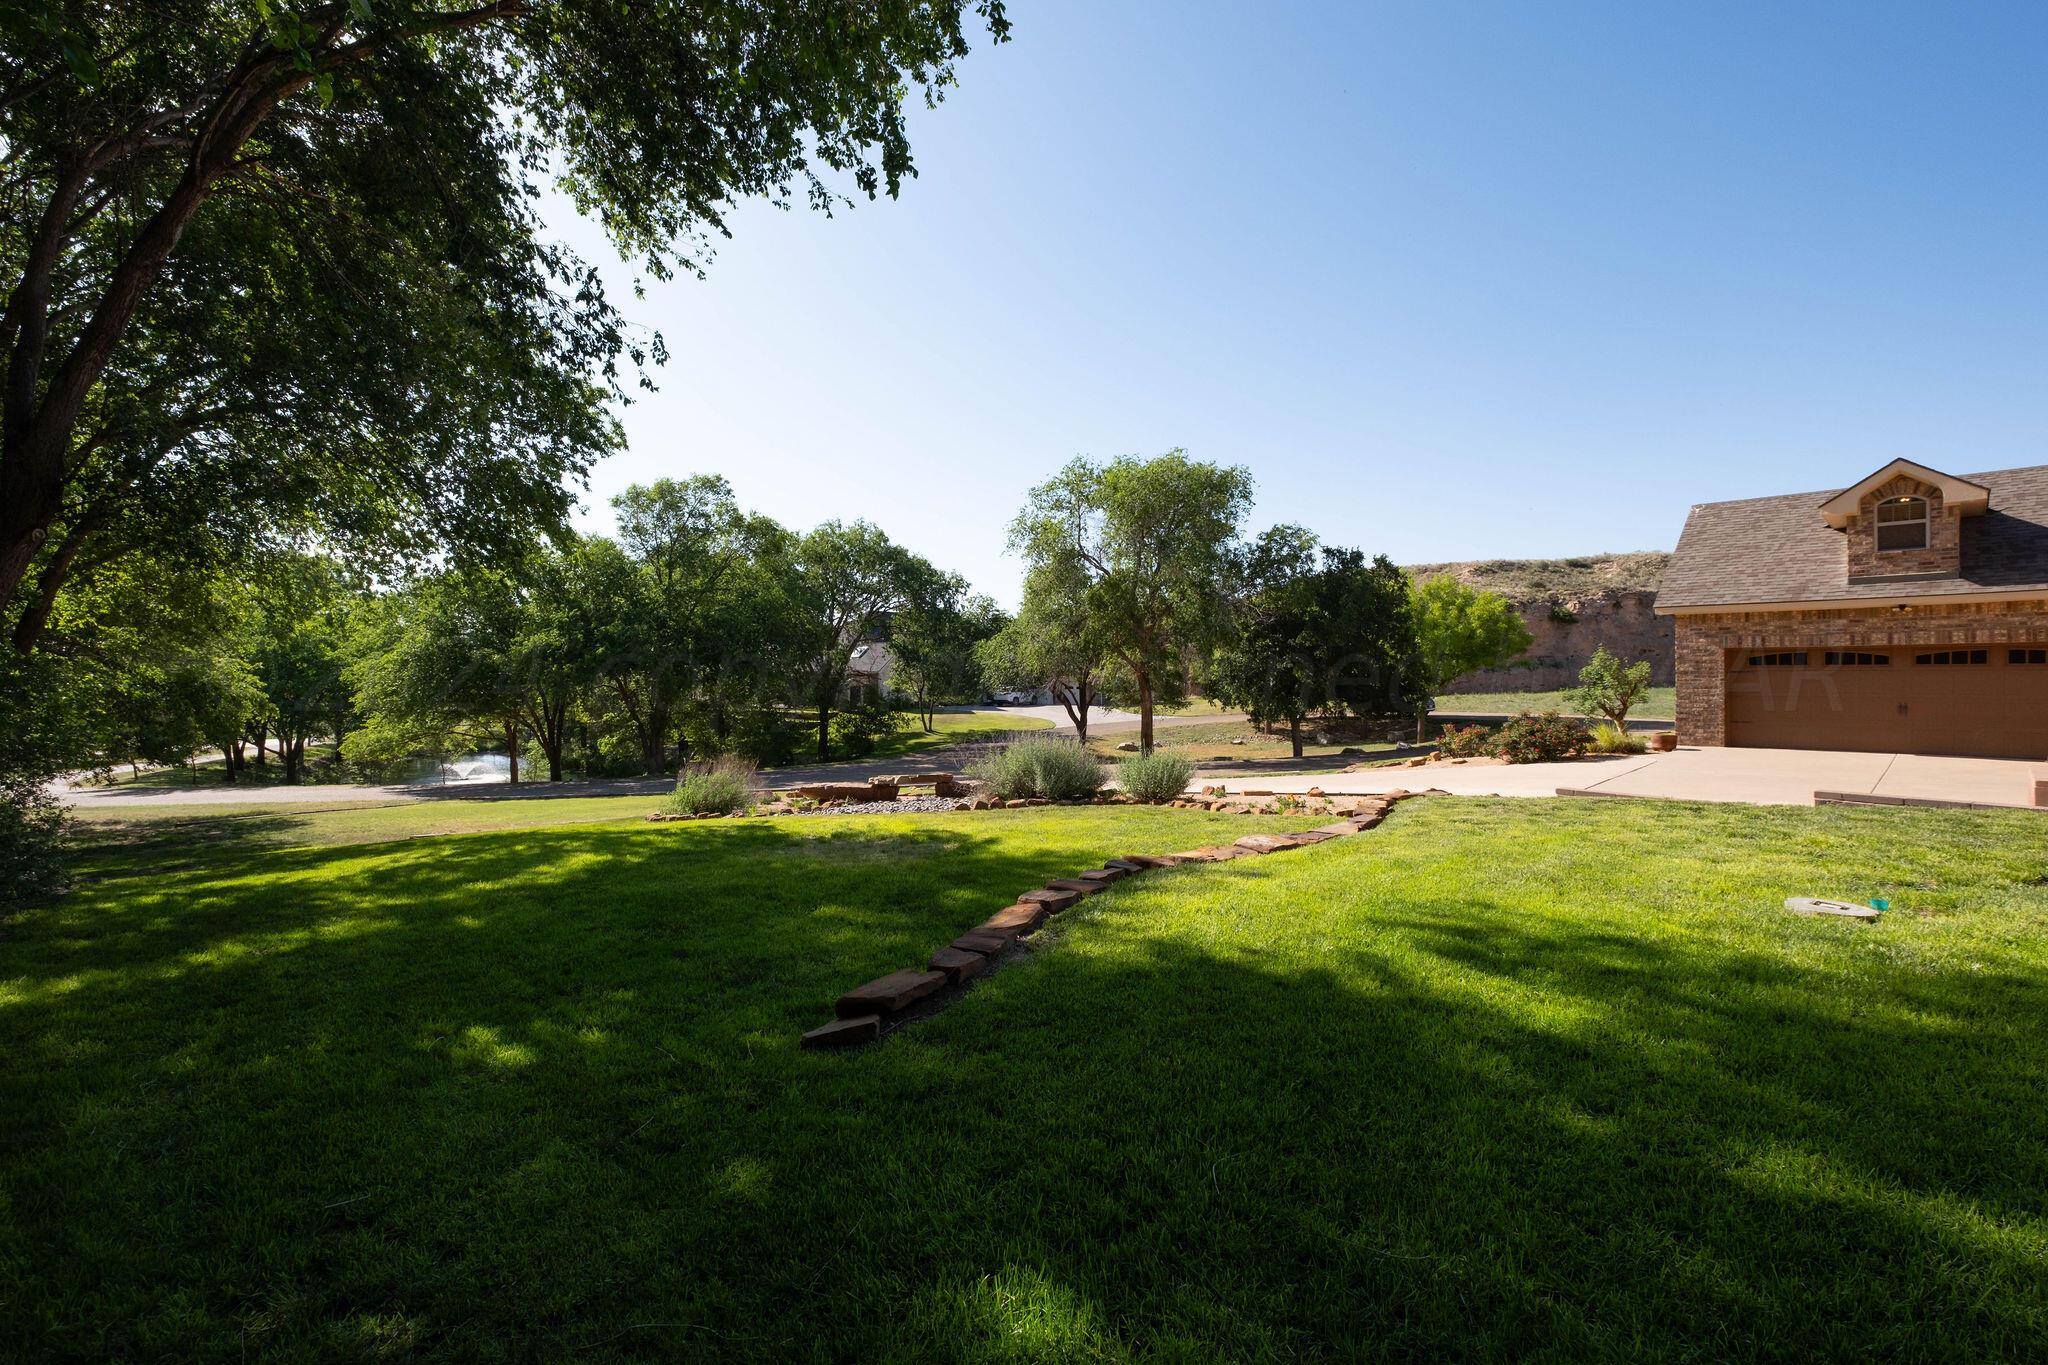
pixel 1531 738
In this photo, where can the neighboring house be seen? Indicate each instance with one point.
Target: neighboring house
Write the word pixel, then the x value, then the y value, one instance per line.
pixel 1905 613
pixel 869 671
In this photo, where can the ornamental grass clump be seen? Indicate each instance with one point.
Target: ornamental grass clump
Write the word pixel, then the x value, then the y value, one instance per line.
pixel 1155 777
pixel 1609 738
pixel 1056 769
pixel 720 786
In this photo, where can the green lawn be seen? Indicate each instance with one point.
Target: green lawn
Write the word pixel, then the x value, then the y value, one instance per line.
pixel 1232 739
pixel 954 727
pixel 1498 1079
pixel 1659 703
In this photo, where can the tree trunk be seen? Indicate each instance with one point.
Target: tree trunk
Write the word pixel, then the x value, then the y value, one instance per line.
pixel 262 737
pixel 512 751
pixel 1294 733
pixel 288 752
pixel 654 739
pixel 824 731
pixel 1144 711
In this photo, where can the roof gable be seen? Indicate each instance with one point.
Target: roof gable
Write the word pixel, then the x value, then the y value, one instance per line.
pixel 1967 497
pixel 1779 552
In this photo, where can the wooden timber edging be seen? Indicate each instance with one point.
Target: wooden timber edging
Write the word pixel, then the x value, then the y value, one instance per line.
pixel 868 1011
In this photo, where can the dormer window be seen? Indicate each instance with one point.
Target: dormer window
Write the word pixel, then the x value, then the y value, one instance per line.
pixel 1902 524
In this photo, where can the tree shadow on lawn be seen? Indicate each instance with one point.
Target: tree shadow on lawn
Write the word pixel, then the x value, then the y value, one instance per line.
pixel 1394 1154
pixel 549 1094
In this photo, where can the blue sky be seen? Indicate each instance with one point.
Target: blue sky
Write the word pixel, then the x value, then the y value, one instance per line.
pixel 1454 280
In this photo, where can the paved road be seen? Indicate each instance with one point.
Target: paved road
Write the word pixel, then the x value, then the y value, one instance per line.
pixel 129 796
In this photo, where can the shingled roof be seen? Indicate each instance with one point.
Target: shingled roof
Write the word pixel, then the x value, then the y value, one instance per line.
pixel 1779 550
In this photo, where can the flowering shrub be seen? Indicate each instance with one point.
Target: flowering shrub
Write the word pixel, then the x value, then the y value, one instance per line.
pixel 1541 739
pixel 1464 741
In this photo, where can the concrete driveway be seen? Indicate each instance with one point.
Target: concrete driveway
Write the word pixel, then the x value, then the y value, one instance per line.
pixel 1766 777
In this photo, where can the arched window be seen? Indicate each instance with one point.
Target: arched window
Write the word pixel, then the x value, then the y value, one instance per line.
pixel 1902 524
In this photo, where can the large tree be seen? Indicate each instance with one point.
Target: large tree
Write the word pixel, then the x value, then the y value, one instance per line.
pixel 1153 541
pixel 685 611
pixel 1316 638
pixel 1461 628
pixel 849 580
pixel 934 638
pixel 289 250
pixel 1054 642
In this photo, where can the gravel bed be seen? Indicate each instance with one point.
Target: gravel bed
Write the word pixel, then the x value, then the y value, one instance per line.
pixel 909 805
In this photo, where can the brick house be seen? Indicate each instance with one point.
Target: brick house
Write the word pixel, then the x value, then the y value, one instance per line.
pixel 1905 613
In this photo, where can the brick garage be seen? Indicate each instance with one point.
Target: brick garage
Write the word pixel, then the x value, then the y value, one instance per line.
pixel 1905 613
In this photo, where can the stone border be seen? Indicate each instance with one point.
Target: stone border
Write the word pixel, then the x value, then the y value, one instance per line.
pixel 866 1012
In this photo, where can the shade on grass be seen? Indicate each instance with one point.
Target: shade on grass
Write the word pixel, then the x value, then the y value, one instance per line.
pixel 1496 1078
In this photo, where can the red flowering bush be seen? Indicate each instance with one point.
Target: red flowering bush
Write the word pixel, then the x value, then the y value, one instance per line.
pixel 1541 739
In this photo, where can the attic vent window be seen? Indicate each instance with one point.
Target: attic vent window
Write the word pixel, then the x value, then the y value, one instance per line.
pixel 1902 524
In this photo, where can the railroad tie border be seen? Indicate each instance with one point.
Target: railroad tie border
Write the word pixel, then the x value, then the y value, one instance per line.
pixel 866 1012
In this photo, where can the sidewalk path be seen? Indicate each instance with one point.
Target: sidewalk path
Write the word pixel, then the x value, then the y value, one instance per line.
pixel 1765 777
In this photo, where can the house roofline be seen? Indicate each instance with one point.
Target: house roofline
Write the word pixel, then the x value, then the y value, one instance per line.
pixel 2038 593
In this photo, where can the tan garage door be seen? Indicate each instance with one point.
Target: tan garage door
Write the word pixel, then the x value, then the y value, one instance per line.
pixel 1988 702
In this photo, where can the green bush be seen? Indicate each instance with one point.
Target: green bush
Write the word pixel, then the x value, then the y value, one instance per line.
pixel 1465 741
pixel 1609 738
pixel 719 787
pixel 1156 777
pixel 1546 738
pixel 31 829
pixel 858 729
pixel 1057 769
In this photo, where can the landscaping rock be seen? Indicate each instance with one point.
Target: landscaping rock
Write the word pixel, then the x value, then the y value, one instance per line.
pixel 1338 830
pixel 1150 859
pixel 861 1028
pixel 1018 920
pixel 1265 843
pixel 1130 866
pixel 1073 884
pixel 987 942
pixel 1053 901
pixel 957 964
pixel 887 994
pixel 847 791
pixel 1104 875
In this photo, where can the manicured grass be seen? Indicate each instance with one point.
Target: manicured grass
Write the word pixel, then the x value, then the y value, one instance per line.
pixel 1659 703
pixel 955 727
pixel 1498 1079
pixel 187 836
pixel 1215 740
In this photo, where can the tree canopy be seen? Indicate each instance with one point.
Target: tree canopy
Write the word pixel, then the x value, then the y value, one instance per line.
pixel 1316 639
pixel 1150 544
pixel 276 270
pixel 1461 628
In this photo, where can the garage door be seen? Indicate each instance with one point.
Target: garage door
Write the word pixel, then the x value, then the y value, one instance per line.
pixel 1987 702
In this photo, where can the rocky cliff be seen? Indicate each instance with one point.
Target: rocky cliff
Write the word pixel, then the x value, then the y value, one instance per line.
pixel 1571 607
